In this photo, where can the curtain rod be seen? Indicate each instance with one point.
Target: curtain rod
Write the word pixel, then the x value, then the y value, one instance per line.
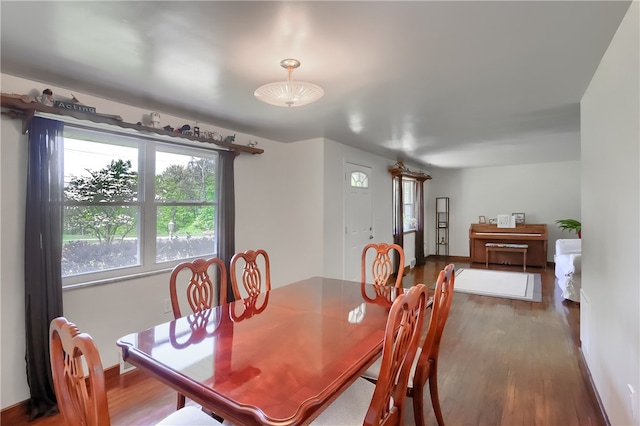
pixel 109 128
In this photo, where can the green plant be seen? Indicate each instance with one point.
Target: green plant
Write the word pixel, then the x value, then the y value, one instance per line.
pixel 570 225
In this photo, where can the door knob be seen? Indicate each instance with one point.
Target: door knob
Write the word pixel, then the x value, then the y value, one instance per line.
pixel 371 237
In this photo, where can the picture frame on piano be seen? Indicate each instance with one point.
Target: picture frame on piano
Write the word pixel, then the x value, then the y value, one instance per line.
pixel 493 221
pixel 519 218
pixel 482 219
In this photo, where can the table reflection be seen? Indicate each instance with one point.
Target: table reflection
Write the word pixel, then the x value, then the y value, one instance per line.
pixel 249 307
pixel 201 325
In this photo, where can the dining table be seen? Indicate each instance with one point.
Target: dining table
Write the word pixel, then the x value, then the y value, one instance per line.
pixel 278 358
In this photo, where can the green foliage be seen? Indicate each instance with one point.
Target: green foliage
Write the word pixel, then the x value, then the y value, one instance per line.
pixel 108 217
pixel 116 183
pixel 569 225
pixel 194 182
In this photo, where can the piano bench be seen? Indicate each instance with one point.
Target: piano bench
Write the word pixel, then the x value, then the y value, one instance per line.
pixel 514 248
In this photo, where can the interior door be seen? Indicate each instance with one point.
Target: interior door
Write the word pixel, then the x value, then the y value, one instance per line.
pixel 358 217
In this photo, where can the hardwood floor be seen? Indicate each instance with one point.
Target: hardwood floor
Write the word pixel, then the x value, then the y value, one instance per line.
pixel 502 362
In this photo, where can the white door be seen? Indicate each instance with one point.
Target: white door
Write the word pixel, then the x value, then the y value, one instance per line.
pixel 358 217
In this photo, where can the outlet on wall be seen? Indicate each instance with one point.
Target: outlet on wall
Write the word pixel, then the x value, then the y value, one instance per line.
pixel 167 306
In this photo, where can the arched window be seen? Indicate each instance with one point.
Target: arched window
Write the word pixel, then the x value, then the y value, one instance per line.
pixel 359 180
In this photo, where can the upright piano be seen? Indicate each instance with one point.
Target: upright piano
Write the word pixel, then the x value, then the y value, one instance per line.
pixel 535 236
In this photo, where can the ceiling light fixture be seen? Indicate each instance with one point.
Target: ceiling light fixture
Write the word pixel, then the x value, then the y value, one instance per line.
pixel 289 93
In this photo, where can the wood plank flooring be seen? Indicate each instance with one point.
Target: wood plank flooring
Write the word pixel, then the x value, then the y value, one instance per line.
pixel 502 362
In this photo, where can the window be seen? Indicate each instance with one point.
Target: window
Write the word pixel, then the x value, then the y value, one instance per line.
pixel 409 211
pixel 134 205
pixel 359 180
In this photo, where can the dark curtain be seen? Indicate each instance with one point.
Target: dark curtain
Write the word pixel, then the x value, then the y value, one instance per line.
pixel 398 226
pixel 420 228
pixel 227 214
pixel 42 257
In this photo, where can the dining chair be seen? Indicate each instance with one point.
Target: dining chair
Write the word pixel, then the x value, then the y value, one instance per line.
pixel 252 276
pixel 199 288
pixel 82 398
pixel 382 264
pixel 383 403
pixel 426 366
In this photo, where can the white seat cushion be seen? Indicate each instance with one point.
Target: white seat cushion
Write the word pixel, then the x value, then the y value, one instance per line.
pixel 189 416
pixel 374 371
pixel 350 408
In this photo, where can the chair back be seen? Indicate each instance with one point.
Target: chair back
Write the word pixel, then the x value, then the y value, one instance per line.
pixel 200 289
pixel 442 298
pixel 82 399
pixel 402 335
pixel 252 277
pixel 382 264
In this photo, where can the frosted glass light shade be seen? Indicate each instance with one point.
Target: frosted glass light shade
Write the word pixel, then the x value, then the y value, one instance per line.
pixel 289 93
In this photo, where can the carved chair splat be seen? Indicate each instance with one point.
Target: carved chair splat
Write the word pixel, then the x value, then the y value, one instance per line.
pixel 252 277
pixel 382 264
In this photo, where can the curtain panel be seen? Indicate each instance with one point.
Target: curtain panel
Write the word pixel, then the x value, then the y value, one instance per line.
pixel 398 226
pixel 227 215
pixel 42 257
pixel 419 249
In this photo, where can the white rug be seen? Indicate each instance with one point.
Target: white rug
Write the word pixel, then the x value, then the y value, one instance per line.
pixel 511 285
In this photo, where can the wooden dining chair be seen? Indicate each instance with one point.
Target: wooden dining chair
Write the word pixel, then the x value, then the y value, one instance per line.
pixel 252 277
pixel 383 403
pixel 81 395
pixel 426 367
pixel 382 264
pixel 195 276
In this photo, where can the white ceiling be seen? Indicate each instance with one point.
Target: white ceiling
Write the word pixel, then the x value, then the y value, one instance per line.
pixel 447 84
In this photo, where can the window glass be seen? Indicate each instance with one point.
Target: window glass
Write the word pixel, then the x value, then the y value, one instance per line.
pixel 101 215
pixel 409 212
pixel 359 180
pixel 111 228
pixel 185 211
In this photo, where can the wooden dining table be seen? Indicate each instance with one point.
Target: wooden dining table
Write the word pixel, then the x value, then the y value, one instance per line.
pixel 279 358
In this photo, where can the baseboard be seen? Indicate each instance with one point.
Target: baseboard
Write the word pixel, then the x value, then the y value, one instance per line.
pixel 19 413
pixel 452 259
pixel 588 379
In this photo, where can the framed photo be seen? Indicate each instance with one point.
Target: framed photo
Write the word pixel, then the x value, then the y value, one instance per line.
pixel 442 224
pixel 493 221
pixel 519 217
pixel 482 219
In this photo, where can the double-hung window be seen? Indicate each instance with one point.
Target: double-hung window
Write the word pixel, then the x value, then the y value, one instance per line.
pixel 134 205
pixel 409 208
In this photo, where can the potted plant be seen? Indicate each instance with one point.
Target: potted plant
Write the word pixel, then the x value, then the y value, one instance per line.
pixel 570 225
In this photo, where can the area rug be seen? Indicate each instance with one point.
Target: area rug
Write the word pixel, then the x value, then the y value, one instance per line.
pixel 510 285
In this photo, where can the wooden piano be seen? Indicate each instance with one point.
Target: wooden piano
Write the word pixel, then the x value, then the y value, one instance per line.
pixel 535 236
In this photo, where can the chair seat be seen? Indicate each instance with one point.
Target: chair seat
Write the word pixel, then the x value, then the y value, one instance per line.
pixel 189 416
pixel 350 407
pixel 374 371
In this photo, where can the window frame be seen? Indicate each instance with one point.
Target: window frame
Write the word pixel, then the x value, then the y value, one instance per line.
pixel 147 204
pixel 414 207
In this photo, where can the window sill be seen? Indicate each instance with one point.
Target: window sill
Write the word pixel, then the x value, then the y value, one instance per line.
pixel 112 280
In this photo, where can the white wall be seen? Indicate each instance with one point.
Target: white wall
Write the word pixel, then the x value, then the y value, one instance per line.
pixel 610 142
pixel 543 192
pixel 336 156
